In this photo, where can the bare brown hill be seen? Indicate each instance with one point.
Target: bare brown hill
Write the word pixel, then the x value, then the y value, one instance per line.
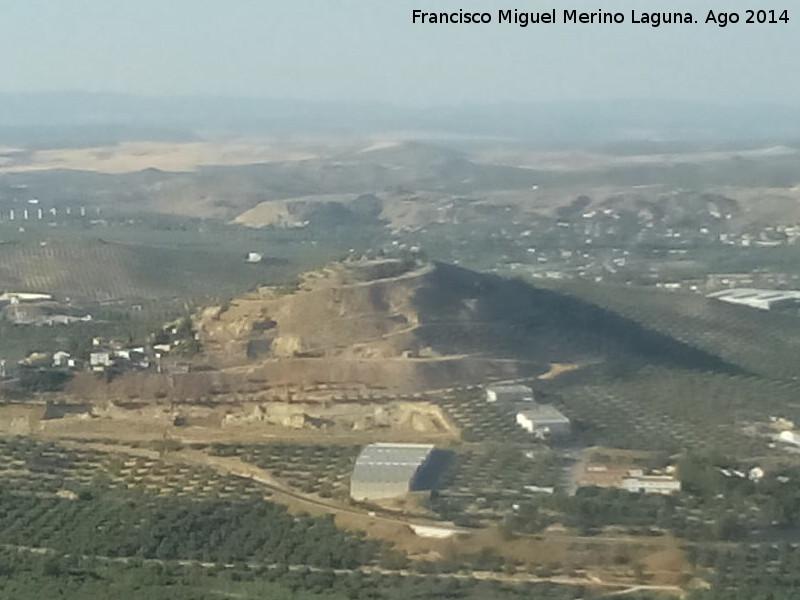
pixel 390 325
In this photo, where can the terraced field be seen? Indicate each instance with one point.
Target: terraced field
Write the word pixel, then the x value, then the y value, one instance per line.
pixel 674 410
pixel 482 482
pixel 323 470
pixel 480 421
pixel 488 482
pixel 30 467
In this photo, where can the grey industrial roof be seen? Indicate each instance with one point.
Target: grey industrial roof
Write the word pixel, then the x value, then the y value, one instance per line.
pixel 755 294
pixel 382 462
pixel 544 413
pixel 509 388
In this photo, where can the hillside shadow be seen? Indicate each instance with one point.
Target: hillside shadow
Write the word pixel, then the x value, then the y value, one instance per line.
pixel 429 477
pixel 462 311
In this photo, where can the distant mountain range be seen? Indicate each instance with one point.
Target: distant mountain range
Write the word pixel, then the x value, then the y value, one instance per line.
pixel 46 118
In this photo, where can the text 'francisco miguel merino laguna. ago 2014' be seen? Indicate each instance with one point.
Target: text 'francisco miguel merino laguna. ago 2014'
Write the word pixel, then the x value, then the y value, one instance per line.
pixel 597 17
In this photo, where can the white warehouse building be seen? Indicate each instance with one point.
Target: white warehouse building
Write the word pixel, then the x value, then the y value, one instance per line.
pixel 544 420
pixel 651 484
pixel 384 471
pixel 504 392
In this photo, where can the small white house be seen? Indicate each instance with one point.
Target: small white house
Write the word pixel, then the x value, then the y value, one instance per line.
pixel 651 484
pixel 61 359
pixel 100 359
pixel 498 392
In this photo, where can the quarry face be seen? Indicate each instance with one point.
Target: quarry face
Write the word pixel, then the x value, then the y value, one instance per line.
pixel 382 325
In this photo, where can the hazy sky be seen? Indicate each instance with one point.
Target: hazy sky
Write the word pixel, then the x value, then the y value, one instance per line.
pixel 369 50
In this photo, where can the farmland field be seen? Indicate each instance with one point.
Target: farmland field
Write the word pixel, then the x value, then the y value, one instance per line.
pixel 758 342
pixel 78 521
pixel 118 505
pixel 674 410
pixel 95 268
pixel 132 276
pixel 319 469
pixel 158 257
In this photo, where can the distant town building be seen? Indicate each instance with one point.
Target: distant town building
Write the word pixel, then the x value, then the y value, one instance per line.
pixel 61 359
pixel 544 420
pixel 99 360
pixel 499 392
pixel 384 471
pixel 651 484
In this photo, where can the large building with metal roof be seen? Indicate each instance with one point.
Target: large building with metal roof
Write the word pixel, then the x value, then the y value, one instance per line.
pixel 385 471
pixel 543 420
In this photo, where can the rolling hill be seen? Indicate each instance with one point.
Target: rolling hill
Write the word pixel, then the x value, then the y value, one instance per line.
pixel 436 325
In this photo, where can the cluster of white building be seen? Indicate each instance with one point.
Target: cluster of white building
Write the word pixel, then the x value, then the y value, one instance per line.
pixel 541 420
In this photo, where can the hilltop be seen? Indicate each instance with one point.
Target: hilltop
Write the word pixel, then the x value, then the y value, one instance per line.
pixel 399 325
